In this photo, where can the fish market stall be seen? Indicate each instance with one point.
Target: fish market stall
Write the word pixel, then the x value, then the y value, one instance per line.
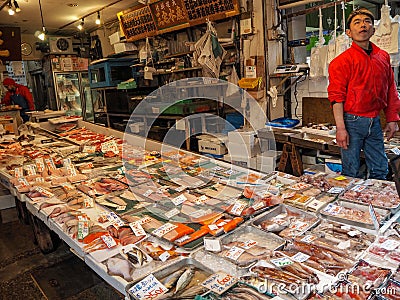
pixel 153 219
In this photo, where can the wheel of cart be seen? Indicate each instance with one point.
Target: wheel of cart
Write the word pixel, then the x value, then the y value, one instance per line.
pixel 44 237
pixel 22 211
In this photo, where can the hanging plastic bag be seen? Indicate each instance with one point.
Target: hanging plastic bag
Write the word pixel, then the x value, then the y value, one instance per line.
pixel 233 79
pixel 319 55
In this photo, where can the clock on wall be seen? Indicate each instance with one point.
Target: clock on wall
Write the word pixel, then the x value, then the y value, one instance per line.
pixel 26 49
pixel 62 44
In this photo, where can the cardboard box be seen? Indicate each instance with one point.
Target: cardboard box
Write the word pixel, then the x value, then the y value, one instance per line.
pixel 115 37
pixel 212 147
pixel 122 47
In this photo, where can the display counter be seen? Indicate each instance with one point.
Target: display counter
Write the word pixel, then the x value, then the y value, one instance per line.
pixel 134 210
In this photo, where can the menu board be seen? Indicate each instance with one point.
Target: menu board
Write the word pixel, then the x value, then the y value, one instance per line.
pixel 163 16
pixel 169 13
pixel 137 23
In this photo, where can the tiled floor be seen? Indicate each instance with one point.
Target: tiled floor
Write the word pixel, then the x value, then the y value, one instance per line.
pixel 20 257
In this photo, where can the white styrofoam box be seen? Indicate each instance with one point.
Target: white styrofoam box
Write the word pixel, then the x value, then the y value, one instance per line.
pixel 115 37
pixel 266 162
pixel 180 124
pixel 243 161
pixel 211 147
pixel 136 127
pixel 308 159
pixel 333 165
pixel 240 137
pixel 241 149
pixel 122 47
pixel 215 137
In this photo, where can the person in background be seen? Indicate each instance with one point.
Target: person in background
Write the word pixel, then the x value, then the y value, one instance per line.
pixel 361 84
pixel 18 94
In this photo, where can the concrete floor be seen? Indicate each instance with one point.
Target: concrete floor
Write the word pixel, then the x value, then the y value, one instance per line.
pixel 20 257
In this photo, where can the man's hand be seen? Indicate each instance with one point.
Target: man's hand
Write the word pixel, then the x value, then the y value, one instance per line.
pixel 391 129
pixel 342 138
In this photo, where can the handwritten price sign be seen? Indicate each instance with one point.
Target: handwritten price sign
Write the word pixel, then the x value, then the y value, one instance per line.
pixel 219 282
pixel 148 288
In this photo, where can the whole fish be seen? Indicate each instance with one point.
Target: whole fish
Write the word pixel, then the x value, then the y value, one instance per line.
pixel 171 280
pixel 184 279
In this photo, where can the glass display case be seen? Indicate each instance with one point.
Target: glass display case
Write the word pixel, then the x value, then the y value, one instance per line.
pixel 70 91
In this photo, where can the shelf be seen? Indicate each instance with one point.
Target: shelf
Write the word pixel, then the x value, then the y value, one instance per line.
pixel 178 54
pixel 179 70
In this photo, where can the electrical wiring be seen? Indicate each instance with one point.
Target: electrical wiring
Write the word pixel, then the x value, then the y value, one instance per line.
pixel 295 93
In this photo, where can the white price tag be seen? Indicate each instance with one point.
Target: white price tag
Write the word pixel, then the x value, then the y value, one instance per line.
pixel 179 200
pixel 374 217
pixel 395 150
pixel 238 208
pixel 50 163
pixel 88 202
pixel 336 190
pixel 110 146
pixel 332 209
pixel 120 208
pixel 282 261
pixel 108 240
pixel 247 244
pixel 212 245
pixel 145 220
pixel 172 213
pixel 308 238
pixel 164 256
pixel 164 229
pixel 148 193
pixel 30 170
pixel 137 228
pixel 219 282
pixel 23 182
pixel 234 253
pixel 354 233
pixel 148 288
pixel 201 200
pixel 298 225
pixel 115 220
pixel 213 227
pixel 180 188
pixel 18 172
pixel 71 170
pixel 300 257
pixel 390 245
pixel 89 149
pixel 40 166
pixel 344 245
pixel 39 179
pixel 358 188
pixel 67 162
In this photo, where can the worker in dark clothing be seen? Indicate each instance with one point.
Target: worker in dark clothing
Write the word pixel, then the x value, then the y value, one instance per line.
pixel 20 95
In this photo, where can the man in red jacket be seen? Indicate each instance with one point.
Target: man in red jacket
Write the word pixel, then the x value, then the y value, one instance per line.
pixel 361 84
pixel 19 95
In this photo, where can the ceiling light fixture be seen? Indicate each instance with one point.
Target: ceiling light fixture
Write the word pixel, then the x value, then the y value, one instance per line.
pixel 17 8
pixel 11 11
pixel 42 35
pixel 98 21
pixel 80 26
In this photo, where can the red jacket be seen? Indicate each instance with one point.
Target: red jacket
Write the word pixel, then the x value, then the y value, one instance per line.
pixel 365 83
pixel 23 91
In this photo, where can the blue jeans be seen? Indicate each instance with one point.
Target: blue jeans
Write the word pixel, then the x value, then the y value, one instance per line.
pixel 365 133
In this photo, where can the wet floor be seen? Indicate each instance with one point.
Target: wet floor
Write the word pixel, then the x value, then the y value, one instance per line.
pixel 23 266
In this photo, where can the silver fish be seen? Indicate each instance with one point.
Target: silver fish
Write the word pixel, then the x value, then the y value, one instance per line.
pixel 136 256
pixel 184 280
pixel 171 280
